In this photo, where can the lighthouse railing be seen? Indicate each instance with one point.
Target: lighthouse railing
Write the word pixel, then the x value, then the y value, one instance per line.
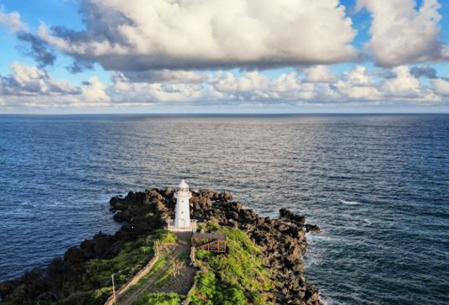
pixel 172 227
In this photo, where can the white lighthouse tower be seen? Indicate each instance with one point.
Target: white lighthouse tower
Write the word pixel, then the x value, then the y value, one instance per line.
pixel 182 215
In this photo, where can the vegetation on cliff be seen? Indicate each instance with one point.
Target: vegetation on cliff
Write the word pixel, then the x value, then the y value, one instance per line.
pixel 238 277
pixel 95 284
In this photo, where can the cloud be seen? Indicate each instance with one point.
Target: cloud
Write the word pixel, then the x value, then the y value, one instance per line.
pixel 356 84
pixel 12 21
pixel 39 49
pixel 401 34
pixel 94 91
pixel 32 87
pixel 80 66
pixel 403 85
pixel 207 34
pixel 441 87
pixel 165 76
pixel 32 81
pixel 424 71
pixel 319 74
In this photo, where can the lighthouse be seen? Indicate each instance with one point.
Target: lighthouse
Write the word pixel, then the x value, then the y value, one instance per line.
pixel 182 213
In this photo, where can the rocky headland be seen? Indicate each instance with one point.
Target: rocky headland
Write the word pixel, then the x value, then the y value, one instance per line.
pixel 282 242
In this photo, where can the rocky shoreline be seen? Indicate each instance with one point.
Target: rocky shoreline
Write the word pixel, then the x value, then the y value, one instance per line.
pixel 282 241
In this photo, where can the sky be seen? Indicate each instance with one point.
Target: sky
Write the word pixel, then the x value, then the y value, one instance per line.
pixel 216 56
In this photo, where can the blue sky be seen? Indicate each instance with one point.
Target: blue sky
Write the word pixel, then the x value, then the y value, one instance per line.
pixel 281 66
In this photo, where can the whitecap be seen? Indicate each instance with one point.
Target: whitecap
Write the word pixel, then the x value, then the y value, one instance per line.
pixel 367 221
pixel 326 300
pixel 349 202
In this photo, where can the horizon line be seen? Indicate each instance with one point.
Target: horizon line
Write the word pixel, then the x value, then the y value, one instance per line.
pixel 223 113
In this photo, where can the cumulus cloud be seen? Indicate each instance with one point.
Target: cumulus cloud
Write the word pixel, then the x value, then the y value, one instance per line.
pixel 12 21
pixel 206 34
pixel 402 34
pixel 30 80
pixel 94 91
pixel 32 86
pixel 356 84
pixel 319 74
pixel 441 87
pixel 403 85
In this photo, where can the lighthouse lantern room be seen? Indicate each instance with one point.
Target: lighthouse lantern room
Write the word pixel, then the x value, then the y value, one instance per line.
pixel 182 220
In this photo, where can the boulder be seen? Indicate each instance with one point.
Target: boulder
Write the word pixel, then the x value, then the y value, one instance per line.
pixel 312 228
pixel 232 215
pixel 169 192
pixel 247 215
pixel 288 215
pixel 122 216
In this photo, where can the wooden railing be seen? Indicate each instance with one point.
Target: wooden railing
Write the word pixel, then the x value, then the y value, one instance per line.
pixel 214 246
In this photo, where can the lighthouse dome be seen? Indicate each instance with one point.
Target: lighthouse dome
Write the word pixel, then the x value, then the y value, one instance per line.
pixel 183 186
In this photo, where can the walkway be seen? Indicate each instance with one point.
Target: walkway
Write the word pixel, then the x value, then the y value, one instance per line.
pixel 182 249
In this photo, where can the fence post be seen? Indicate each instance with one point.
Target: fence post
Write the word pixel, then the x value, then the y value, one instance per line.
pixel 113 289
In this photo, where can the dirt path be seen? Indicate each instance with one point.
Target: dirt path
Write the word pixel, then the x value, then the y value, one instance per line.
pixel 182 248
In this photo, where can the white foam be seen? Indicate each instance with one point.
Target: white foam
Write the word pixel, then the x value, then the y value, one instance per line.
pixel 349 202
pixel 326 300
pixel 367 221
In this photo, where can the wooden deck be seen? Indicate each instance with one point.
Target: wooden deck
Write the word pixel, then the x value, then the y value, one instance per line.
pixel 210 242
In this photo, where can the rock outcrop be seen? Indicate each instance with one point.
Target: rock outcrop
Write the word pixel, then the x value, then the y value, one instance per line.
pixel 282 241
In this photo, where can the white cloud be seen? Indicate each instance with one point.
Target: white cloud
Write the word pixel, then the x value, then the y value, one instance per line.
pixel 94 91
pixel 441 87
pixel 403 85
pixel 29 86
pixel 249 82
pixel 402 34
pixel 189 34
pixel 357 76
pixel 30 80
pixel 12 21
pixel 319 74
pixel 357 85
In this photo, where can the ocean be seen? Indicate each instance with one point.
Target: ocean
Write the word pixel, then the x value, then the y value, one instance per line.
pixel 377 185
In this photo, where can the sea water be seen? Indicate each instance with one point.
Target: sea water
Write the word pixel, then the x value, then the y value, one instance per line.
pixel 377 185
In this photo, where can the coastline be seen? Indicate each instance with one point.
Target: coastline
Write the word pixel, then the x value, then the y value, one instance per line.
pixel 281 240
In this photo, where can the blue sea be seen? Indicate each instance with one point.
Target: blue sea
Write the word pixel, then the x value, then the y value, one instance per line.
pixel 378 185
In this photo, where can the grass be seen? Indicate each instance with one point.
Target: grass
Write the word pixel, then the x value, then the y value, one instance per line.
pixel 165 237
pixel 97 285
pixel 159 299
pixel 161 262
pixel 236 278
pixel 167 273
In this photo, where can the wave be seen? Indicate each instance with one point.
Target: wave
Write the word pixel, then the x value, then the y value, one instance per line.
pixel 349 202
pixel 326 300
pixel 367 221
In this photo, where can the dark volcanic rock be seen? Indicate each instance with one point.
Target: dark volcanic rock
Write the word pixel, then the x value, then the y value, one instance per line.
pixel 312 228
pixel 282 242
pixel 297 219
